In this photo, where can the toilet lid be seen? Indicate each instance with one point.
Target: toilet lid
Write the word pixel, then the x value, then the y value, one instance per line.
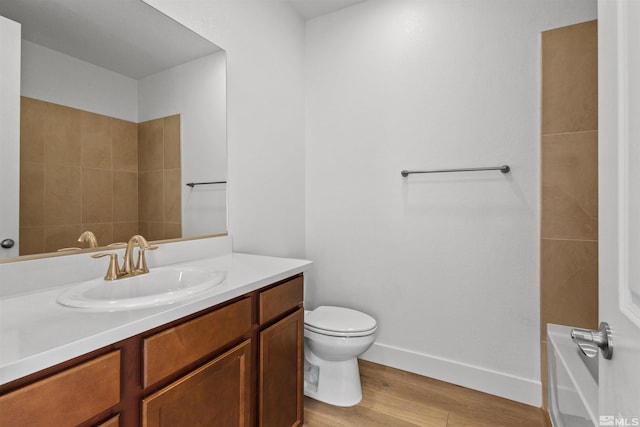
pixel 339 320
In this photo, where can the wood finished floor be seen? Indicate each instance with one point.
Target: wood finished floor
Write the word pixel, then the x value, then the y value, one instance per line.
pixel 391 397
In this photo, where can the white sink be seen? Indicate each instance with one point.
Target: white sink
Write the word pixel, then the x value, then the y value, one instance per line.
pixel 162 285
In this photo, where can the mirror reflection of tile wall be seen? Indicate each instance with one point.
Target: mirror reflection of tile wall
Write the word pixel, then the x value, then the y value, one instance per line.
pixel 84 171
pixel 159 197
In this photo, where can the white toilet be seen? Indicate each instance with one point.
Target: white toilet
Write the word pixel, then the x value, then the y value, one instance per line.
pixel 334 337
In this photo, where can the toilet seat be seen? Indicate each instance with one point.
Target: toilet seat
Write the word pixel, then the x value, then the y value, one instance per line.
pixel 339 322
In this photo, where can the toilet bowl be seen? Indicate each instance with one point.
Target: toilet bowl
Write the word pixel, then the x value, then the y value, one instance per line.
pixel 334 337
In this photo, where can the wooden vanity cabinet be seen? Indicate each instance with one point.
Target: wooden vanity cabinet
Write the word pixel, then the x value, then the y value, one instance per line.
pixel 281 353
pixel 236 364
pixel 68 398
pixel 216 394
pixel 218 391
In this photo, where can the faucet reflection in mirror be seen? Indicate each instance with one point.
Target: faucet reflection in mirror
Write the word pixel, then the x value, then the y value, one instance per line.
pixel 114 272
pixel 86 171
pixel 88 236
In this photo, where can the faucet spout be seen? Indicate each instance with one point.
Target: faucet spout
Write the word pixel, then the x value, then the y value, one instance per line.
pixel 129 269
pixel 89 237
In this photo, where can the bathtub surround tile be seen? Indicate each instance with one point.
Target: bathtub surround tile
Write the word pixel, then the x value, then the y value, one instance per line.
pixel 569 181
pixel 62 195
pixel 172 230
pixel 124 145
pixel 150 145
pixel 570 186
pixel 80 169
pixel 569 283
pixel 122 231
pixel 102 231
pixel 61 236
pixel 172 196
pixel 155 230
pixel 31 240
pixel 143 228
pixel 125 196
pixel 32 112
pixel 570 79
pixel 97 195
pixel 62 136
pixel 31 194
pixel 172 142
pixel 95 134
pixel 154 195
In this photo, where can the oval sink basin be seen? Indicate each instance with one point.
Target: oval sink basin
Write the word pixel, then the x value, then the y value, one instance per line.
pixel 160 286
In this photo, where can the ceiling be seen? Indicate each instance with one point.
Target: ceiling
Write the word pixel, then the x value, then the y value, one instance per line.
pixel 123 36
pixel 310 9
pixel 128 37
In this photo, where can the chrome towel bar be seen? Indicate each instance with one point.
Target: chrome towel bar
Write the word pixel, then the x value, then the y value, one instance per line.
pixel 193 184
pixel 503 169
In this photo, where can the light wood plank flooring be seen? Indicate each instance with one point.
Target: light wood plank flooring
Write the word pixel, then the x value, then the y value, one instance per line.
pixel 392 397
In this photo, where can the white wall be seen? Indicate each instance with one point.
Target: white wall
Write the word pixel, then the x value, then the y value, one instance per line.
pixel 197 91
pixel 52 76
pixel 447 264
pixel 9 133
pixel 264 42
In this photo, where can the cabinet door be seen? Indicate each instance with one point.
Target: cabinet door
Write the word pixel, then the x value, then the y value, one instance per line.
pixel 216 394
pixel 281 366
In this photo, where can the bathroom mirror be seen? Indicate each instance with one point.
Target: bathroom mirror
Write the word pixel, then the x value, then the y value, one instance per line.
pixel 121 109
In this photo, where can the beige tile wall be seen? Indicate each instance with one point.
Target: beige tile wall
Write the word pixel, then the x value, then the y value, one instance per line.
pixel 159 185
pixel 80 171
pixel 569 181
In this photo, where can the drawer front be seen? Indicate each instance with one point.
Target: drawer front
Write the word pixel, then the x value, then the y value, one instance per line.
pixel 284 297
pixel 65 399
pixel 173 349
pixel 112 422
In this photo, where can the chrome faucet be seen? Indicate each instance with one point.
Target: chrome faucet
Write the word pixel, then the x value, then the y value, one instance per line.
pixel 128 268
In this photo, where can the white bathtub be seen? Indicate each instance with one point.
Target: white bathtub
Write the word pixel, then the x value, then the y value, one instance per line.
pixel 573 381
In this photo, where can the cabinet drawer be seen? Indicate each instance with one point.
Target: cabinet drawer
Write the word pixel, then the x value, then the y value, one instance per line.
pixel 284 297
pixel 168 351
pixel 67 398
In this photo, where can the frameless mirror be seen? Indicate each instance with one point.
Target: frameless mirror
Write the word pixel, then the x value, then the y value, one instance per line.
pixel 121 109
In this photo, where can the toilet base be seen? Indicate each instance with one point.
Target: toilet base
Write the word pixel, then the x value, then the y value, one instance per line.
pixel 335 383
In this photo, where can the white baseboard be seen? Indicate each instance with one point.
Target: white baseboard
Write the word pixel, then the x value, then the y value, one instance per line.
pixel 493 382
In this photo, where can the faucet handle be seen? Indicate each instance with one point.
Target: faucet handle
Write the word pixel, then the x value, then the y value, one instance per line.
pixel 113 271
pixel 141 265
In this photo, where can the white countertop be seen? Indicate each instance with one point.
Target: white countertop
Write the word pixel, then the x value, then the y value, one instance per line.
pixel 36 332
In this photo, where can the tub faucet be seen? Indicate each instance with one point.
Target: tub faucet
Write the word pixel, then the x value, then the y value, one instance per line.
pixel 590 340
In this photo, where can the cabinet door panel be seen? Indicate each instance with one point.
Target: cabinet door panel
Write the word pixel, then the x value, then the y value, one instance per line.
pixel 216 394
pixel 281 365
